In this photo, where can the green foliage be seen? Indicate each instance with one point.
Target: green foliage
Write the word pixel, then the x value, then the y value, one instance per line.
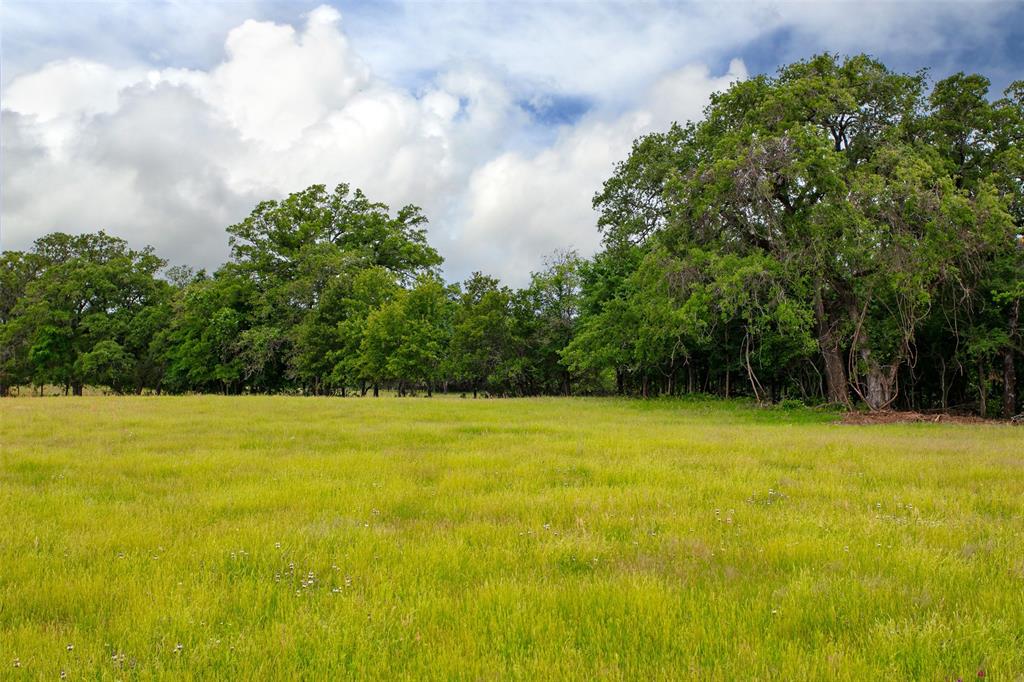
pixel 200 346
pixel 835 232
pixel 278 238
pixel 81 312
pixel 856 207
pixel 480 333
pixel 405 339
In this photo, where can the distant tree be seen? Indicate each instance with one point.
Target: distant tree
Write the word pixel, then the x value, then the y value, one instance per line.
pixel 371 289
pixel 409 336
pixel 380 343
pixel 301 255
pixel 976 336
pixel 553 297
pixel 85 305
pixel 604 337
pixel 480 333
pixel 78 316
pixel 18 269
pixel 276 239
pixel 201 344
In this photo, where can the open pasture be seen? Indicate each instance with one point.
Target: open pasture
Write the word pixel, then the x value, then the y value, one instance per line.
pixel 276 537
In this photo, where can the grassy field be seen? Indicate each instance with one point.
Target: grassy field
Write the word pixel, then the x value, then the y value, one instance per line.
pixel 268 537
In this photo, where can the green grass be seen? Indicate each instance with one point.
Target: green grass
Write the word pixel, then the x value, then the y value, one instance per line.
pixel 502 539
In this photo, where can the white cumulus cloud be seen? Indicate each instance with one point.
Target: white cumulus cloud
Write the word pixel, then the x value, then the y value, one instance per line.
pixel 172 156
pixel 521 205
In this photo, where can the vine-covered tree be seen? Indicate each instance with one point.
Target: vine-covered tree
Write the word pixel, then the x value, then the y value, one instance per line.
pixel 868 205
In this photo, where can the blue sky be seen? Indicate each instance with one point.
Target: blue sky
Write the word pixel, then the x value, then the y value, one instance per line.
pixel 164 122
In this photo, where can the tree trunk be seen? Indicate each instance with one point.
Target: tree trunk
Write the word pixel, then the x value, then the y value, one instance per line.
pixel 944 400
pixel 879 387
pixel 880 383
pixel 1010 366
pixel 77 389
pixel 1009 384
pixel 828 343
pixel 982 390
pixel 376 391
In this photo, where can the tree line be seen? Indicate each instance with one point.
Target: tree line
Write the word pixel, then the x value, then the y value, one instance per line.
pixel 837 232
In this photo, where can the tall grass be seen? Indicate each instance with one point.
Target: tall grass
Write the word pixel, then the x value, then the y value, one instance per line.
pixel 270 537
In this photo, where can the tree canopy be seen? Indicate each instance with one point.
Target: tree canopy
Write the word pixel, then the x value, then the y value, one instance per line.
pixel 835 232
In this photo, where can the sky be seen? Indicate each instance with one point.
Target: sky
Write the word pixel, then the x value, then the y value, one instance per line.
pixel 165 122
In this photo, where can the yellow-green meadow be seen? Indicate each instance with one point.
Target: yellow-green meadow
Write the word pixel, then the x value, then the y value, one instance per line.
pixel 327 538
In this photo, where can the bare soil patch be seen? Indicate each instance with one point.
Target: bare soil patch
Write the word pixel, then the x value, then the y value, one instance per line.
pixel 903 417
